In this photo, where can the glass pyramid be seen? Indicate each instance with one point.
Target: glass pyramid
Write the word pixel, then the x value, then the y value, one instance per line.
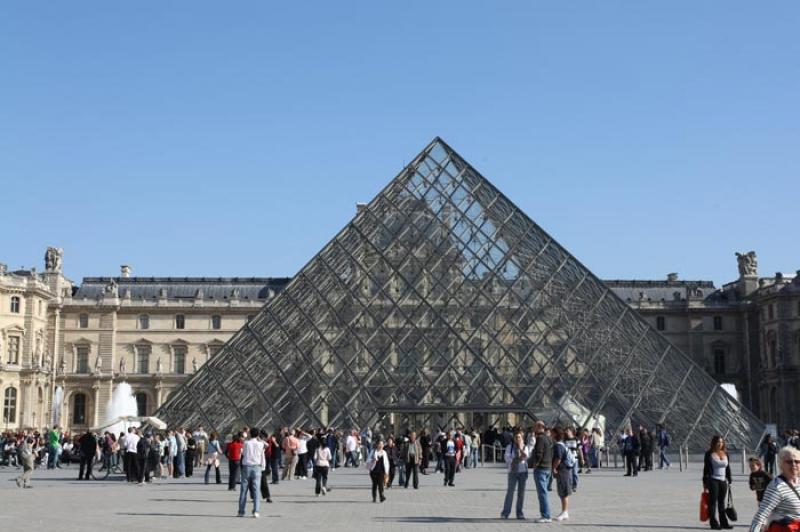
pixel 441 298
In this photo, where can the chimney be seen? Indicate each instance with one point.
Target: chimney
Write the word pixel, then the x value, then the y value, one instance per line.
pixel 778 277
pixel 125 271
pixel 3 269
pixel 672 277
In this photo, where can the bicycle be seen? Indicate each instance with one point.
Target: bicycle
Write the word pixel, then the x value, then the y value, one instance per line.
pixel 102 466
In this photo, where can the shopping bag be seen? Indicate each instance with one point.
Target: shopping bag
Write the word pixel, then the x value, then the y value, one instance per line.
pixel 704 506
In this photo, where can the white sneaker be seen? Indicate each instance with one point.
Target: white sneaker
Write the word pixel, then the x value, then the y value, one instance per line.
pixel 544 520
pixel 255 515
pixel 563 516
pixel 324 491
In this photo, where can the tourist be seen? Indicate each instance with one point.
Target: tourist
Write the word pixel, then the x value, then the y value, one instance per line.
pixel 378 464
pixel 516 457
pixel 366 439
pixel 180 462
pixel 645 449
pixel 332 443
pixel 173 453
pixel 571 442
pixel 393 452
pixel 630 451
pixel 302 454
pixel 716 478
pixel 53 447
pixel 411 456
pixel 425 444
pixel 88 449
pixel 154 457
pixel 563 464
pixel 274 457
pixel 351 448
pixel 759 479
pixel 253 463
pixel 165 461
pixel 467 449
pixel 233 452
pixel 767 453
pixel 201 438
pixel 449 452
pixel 597 445
pixel 322 462
pixel 290 445
pixel 265 494
pixel 542 469
pixel 142 451
pixel 475 450
pixel 27 456
pixel 191 451
pixel 585 450
pixel 214 452
pixel 781 502
pixel 663 441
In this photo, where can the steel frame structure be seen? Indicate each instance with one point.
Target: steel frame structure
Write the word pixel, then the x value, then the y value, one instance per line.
pixel 442 296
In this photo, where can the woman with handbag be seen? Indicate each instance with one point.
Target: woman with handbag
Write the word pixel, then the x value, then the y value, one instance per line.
pixel 378 464
pixel 780 506
pixel 716 479
pixel 516 456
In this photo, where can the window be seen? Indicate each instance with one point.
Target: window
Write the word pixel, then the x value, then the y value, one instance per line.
pixel 144 321
pixel 719 360
pixel 82 359
pixel 40 307
pixel 717 323
pixel 15 305
pixel 79 409
pixel 141 404
pixel 772 348
pixel 216 321
pixel 180 321
pixel 661 323
pixel 213 349
pixel 83 321
pixel 180 359
pixel 771 311
pixel 10 406
pixel 143 358
pixel 13 349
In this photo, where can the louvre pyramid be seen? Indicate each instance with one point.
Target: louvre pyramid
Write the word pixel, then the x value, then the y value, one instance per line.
pixel 441 297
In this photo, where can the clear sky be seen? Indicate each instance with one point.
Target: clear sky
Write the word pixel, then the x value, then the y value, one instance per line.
pixel 234 138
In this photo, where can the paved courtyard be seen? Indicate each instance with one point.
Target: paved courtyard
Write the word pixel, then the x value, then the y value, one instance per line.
pixel 658 500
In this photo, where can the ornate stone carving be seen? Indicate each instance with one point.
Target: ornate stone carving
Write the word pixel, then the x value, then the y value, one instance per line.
pixel 122 366
pixel 112 289
pixel 98 363
pixel 52 259
pixel 748 263
pixel 158 366
pixel 194 364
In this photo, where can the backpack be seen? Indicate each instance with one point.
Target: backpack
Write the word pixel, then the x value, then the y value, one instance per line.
pixel 569 458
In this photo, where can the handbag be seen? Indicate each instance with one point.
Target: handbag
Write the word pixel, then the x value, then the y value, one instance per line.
pixel 704 507
pixel 730 511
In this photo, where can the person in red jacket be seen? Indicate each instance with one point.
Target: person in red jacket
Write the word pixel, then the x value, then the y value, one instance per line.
pixel 234 454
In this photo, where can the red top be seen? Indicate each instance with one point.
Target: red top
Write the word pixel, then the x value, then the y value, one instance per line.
pixel 235 450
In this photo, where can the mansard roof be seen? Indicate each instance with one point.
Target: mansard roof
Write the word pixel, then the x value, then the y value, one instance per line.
pixel 252 288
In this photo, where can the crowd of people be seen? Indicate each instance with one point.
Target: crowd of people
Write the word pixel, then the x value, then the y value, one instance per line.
pixel 553 455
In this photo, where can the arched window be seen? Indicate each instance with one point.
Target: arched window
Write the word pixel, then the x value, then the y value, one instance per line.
pixel 10 406
pixel 15 305
pixel 79 409
pixel 141 404
pixel 216 321
pixel 144 321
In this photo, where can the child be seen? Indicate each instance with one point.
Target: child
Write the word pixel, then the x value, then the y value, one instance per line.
pixel 759 479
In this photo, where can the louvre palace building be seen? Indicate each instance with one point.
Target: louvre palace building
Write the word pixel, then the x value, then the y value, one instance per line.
pixel 66 345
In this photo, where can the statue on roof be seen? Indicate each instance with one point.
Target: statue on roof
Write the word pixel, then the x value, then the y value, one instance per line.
pixel 52 259
pixel 112 289
pixel 748 263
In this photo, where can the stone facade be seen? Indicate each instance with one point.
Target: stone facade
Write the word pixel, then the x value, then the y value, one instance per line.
pixel 153 333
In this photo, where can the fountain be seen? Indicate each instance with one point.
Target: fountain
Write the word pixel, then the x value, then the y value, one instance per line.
pixel 122 403
pixel 58 399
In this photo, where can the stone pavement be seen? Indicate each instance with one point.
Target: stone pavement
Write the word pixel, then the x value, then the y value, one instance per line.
pixel 657 500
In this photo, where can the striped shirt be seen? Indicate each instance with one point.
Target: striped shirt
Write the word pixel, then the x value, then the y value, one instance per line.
pixel 779 502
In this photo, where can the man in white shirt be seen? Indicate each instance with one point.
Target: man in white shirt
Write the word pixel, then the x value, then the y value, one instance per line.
pixel 131 441
pixel 201 438
pixel 253 464
pixel 351 446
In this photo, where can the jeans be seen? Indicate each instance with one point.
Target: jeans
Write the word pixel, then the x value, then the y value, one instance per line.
pixel 322 478
pixel 717 491
pixel 401 475
pixel 449 470
pixel 275 465
pixel 574 478
pixel 181 463
pixel 662 458
pixel 593 458
pixel 412 474
pixel 251 482
pixel 516 482
pixel 542 478
pixel 474 454
pixel 333 457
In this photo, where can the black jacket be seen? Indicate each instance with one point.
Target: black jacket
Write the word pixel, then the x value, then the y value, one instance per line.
pixel 707 470
pixel 88 444
pixel 542 453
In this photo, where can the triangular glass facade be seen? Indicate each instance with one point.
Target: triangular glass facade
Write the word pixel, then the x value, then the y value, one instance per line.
pixel 441 298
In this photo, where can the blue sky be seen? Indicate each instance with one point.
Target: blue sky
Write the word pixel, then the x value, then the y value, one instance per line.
pixel 234 138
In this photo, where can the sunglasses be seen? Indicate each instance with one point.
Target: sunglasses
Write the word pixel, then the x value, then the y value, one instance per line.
pixel 793 462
